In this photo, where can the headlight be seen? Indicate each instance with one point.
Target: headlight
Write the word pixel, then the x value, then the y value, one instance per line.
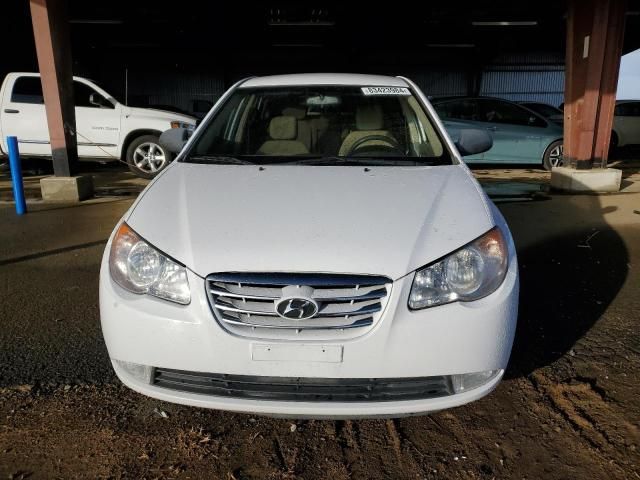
pixel 179 124
pixel 470 273
pixel 140 268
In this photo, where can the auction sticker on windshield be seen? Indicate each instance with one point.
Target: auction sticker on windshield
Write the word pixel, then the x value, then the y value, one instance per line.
pixel 385 91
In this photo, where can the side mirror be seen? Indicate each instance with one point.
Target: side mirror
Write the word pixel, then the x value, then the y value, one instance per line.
pixel 472 141
pixel 94 99
pixel 174 139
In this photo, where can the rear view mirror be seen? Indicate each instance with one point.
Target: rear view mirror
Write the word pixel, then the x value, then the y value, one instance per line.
pixel 472 141
pixel 322 100
pixel 174 139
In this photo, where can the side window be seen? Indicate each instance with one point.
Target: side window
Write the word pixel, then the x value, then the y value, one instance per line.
pixel 495 111
pixel 82 96
pixel 458 109
pixel 27 90
pixel 631 109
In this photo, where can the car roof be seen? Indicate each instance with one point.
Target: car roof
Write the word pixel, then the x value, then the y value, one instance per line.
pixel 300 79
pixel 36 74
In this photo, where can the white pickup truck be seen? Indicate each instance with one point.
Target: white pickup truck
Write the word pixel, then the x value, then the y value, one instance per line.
pixel 105 128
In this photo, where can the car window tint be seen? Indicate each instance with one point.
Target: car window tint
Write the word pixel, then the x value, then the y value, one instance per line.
pixel 463 109
pixel 82 95
pixel 543 109
pixel 631 109
pixel 495 111
pixel 27 90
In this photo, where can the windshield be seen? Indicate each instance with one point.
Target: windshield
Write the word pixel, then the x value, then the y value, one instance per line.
pixel 335 124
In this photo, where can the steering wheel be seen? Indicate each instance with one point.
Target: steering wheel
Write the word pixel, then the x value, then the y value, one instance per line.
pixel 391 144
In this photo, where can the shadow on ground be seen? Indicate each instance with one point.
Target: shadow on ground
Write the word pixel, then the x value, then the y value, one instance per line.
pixel 572 266
pixel 110 179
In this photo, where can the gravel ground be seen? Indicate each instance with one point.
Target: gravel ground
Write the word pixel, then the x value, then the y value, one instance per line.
pixel 568 407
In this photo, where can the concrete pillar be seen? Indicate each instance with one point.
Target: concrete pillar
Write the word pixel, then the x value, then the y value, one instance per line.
pixel 53 47
pixel 595 33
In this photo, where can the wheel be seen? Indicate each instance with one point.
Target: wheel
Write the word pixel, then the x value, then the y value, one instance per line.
pixel 553 156
pixel 145 156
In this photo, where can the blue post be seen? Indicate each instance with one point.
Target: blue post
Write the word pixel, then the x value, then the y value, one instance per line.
pixel 16 175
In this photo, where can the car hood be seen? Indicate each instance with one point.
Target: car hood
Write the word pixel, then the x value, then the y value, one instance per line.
pixel 159 114
pixel 339 219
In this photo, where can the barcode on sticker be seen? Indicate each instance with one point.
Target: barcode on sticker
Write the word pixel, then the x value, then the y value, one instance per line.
pixel 386 91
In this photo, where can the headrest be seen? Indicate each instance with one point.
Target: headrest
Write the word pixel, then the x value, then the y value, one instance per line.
pixel 297 113
pixel 283 128
pixel 369 117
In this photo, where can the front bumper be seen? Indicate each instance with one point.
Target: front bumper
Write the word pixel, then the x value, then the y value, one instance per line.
pixel 451 339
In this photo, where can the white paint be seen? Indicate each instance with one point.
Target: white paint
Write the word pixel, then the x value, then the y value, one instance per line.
pixel 585 47
pixel 388 221
pixel 324 79
pixel 301 218
pixel 296 353
pixel 627 127
pixel 101 132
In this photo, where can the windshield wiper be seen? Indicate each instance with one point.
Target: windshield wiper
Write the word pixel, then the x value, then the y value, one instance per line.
pixel 220 159
pixel 335 160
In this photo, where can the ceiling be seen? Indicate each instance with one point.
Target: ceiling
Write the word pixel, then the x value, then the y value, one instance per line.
pixel 281 36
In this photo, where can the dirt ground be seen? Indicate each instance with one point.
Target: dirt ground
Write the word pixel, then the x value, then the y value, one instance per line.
pixel 568 407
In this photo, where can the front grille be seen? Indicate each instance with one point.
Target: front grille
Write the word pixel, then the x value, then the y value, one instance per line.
pixel 247 301
pixel 304 389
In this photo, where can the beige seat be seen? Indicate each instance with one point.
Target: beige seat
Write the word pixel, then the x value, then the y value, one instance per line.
pixel 369 121
pixel 304 126
pixel 319 127
pixel 283 132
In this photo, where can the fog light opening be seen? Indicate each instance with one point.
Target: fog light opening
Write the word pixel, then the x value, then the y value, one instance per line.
pixel 142 373
pixel 468 381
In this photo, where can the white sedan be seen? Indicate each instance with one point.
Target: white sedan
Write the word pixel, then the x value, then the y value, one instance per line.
pixel 626 123
pixel 318 249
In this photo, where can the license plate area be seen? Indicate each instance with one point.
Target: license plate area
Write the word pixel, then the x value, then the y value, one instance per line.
pixel 296 353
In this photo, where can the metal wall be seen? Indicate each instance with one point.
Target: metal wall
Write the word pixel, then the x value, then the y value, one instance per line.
pixel 531 77
pixel 177 89
pixel 440 83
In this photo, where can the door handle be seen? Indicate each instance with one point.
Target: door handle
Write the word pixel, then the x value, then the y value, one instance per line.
pixel 11 110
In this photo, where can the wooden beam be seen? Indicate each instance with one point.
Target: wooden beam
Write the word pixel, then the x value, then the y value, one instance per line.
pixel 609 83
pixel 595 32
pixel 53 47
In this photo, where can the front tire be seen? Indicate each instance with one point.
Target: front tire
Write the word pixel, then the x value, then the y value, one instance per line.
pixel 553 155
pixel 146 158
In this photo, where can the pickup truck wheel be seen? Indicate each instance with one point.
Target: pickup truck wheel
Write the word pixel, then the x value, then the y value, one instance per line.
pixel 145 156
pixel 553 156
